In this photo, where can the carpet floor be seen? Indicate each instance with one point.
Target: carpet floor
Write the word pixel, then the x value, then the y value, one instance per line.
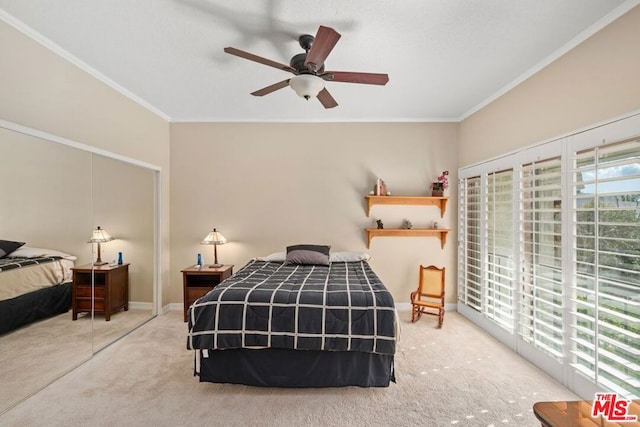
pixel 64 342
pixel 454 376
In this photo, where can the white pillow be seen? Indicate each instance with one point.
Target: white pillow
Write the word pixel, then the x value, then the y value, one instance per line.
pixel 349 256
pixel 333 257
pixel 30 252
pixel 274 257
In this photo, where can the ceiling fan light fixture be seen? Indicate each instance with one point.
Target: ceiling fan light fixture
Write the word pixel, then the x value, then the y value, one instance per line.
pixel 306 85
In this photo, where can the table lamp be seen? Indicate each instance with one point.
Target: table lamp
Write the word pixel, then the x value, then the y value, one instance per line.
pixel 214 238
pixel 100 236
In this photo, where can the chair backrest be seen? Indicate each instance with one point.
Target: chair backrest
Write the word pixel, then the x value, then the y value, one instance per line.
pixel 431 281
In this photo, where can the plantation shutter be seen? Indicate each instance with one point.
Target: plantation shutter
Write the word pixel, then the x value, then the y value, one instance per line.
pixel 540 320
pixel 499 261
pixel 469 253
pixel 605 342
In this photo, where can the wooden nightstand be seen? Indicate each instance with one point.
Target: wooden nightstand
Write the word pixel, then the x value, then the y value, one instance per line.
pixel 197 281
pixel 111 290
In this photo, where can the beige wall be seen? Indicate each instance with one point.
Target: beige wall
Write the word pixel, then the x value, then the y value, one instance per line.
pixel 45 192
pixel 42 90
pixel 266 186
pixel 596 81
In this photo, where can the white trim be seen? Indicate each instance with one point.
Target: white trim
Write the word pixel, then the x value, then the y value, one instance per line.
pixel 581 37
pixel 157 241
pixel 320 120
pixel 71 143
pixel 47 43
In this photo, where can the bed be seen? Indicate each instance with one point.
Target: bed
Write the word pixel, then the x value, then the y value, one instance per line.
pixel 278 323
pixel 34 284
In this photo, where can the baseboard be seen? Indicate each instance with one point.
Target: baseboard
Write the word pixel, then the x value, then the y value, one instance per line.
pixel 174 306
pixel 137 305
pixel 449 306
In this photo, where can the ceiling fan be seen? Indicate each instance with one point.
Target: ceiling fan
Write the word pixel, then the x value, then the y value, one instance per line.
pixel 308 68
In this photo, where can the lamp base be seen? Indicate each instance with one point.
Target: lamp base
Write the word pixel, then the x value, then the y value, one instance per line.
pixel 100 263
pixel 216 265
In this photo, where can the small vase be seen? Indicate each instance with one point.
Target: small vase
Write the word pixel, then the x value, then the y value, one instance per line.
pixel 437 193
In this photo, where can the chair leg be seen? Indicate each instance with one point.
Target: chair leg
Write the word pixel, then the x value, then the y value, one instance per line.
pixel 416 313
pixel 440 318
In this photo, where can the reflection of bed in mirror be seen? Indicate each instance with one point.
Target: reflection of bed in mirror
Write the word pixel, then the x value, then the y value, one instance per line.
pixel 34 284
pixel 56 202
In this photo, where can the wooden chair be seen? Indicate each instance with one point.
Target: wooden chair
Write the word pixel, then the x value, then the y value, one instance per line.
pixel 429 297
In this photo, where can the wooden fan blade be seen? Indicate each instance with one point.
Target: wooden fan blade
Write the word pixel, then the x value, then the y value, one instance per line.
pixel 259 59
pixel 326 99
pixel 323 43
pixel 267 90
pixel 354 77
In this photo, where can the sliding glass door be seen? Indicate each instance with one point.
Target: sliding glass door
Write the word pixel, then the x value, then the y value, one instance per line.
pixel 549 256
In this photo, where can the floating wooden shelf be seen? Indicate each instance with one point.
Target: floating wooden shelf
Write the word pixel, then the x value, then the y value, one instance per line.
pixel 440 233
pixel 409 201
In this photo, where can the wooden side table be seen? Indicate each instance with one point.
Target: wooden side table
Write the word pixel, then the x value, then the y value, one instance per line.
pixel 197 281
pixel 110 292
pixel 577 413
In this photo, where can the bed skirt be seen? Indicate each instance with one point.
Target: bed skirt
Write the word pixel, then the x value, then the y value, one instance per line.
pixel 36 305
pixel 296 368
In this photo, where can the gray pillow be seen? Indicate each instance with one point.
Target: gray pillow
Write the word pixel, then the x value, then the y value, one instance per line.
pixel 7 246
pixel 308 254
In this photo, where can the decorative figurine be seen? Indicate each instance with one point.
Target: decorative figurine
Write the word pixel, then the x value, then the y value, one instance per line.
pixel 380 224
pixel 406 224
pixel 437 188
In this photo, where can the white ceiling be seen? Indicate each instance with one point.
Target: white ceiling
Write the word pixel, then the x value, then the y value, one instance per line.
pixel 445 58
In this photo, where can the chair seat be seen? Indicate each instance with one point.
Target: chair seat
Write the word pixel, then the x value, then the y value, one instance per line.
pixel 427 304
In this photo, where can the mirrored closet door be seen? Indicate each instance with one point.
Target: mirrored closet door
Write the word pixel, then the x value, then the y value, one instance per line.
pixel 54 195
pixel 123 205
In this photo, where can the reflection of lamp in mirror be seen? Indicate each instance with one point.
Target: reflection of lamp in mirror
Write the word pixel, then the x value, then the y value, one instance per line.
pixel 100 236
pixel 214 238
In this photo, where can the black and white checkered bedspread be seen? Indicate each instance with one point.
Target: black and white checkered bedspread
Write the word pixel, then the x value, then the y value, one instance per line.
pixel 13 263
pixel 343 307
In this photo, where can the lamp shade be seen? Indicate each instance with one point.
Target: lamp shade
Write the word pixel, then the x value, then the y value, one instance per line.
pixel 100 236
pixel 214 238
pixel 306 85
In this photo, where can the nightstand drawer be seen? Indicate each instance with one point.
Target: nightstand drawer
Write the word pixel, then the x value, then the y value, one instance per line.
pixel 84 304
pixel 195 293
pixel 197 281
pixel 84 292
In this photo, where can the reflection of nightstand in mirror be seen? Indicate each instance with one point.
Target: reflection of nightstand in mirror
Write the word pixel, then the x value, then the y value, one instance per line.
pixel 111 290
pixel 197 281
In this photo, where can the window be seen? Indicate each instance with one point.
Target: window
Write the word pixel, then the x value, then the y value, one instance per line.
pixel 485 257
pixel 498 286
pixel 549 255
pixel 605 344
pixel 540 233
pixel 469 259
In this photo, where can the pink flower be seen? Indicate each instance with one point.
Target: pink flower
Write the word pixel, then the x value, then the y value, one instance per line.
pixel 442 179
